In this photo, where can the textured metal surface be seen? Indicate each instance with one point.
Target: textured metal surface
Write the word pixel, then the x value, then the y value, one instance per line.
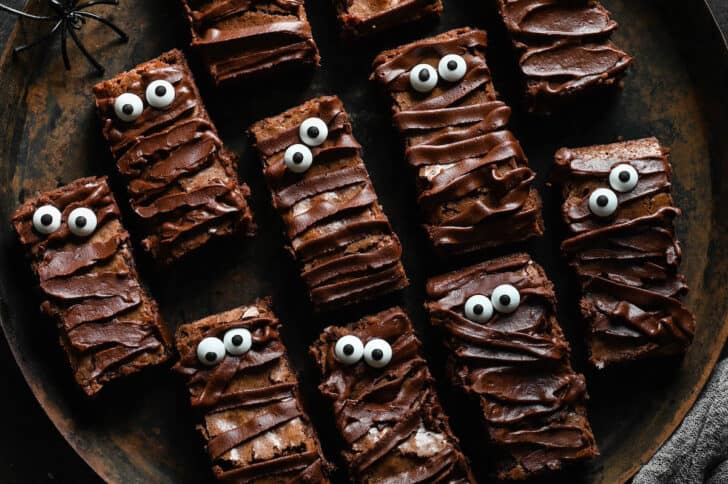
pixel 142 431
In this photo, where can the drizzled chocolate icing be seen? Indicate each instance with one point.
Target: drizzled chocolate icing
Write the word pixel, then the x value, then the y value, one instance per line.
pixel 181 181
pixel 516 364
pixel 390 418
pixel 563 48
pixel 109 326
pixel 252 420
pixel 359 18
pixel 242 38
pixel 473 178
pixel 342 240
pixel 627 263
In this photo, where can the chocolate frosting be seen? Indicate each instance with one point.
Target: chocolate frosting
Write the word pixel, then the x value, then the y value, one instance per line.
pixel 563 46
pixel 344 243
pixel 627 263
pixel 253 422
pixel 516 364
pixel 359 18
pixel 181 182
pixel 389 418
pixel 473 178
pixel 109 326
pixel 241 38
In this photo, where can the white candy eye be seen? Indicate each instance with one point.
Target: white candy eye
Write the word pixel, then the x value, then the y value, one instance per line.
pixel 505 298
pixel 313 131
pixel 478 308
pixel 423 78
pixel 623 178
pixel 82 221
pixel 238 341
pixel 349 349
pixel 128 107
pixel 452 68
pixel 46 219
pixel 603 202
pixel 210 351
pixel 298 158
pixel 160 94
pixel 377 353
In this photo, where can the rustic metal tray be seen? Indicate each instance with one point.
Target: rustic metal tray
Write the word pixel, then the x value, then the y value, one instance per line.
pixel 141 430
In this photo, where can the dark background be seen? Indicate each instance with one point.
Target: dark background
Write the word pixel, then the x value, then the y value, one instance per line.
pixel 31 449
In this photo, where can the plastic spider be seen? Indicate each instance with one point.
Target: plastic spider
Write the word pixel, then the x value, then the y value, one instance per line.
pixel 68 17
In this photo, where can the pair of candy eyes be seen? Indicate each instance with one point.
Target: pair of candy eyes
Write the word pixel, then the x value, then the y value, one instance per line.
pixel 603 202
pixel 423 77
pixel 160 95
pixel 504 299
pixel 350 350
pixel 211 350
pixel 312 132
pixel 81 221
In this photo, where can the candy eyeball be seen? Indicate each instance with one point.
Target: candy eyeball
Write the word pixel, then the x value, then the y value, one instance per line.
pixel 82 222
pixel 210 351
pixel 603 202
pixel 478 308
pixel 313 131
pixel 46 219
pixel 423 78
pixel 623 178
pixel 377 353
pixel 160 94
pixel 238 341
pixel 349 349
pixel 298 158
pixel 505 298
pixel 128 107
pixel 452 68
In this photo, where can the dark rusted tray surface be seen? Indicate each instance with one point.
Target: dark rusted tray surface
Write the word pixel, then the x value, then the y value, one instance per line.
pixel 142 431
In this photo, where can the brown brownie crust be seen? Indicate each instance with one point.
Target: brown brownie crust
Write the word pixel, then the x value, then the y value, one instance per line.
pixel 181 180
pixel 108 324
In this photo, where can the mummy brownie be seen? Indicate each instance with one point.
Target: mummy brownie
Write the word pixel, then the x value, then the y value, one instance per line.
pixel 239 379
pixel 506 349
pixel 385 405
pixel 181 181
pixel 341 238
pixel 473 180
pixel 109 326
pixel 619 211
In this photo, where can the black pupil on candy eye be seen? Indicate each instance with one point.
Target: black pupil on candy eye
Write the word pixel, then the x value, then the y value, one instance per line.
pixel 624 176
pixel 478 309
pixel 210 356
pixel 377 354
pixel 313 131
pixel 81 221
pixel 127 109
pixel 452 65
pixel 160 91
pixel 424 75
pixel 602 200
pixel 237 340
pixel 298 157
pixel 505 299
pixel 348 350
pixel 46 219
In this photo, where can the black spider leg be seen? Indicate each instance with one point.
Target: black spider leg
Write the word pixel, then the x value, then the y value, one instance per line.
pixel 122 35
pixel 43 38
pixel 25 14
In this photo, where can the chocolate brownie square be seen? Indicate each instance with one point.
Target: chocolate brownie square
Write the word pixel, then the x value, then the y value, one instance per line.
pixel 80 252
pixel 473 180
pixel 182 182
pixel 240 380
pixel 620 215
pixel 360 18
pixel 385 405
pixel 507 350
pixel 338 232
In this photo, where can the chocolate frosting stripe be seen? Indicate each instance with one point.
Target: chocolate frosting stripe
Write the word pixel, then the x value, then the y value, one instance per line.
pixel 263 60
pixel 470 168
pixel 516 365
pixel 220 10
pixel 213 37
